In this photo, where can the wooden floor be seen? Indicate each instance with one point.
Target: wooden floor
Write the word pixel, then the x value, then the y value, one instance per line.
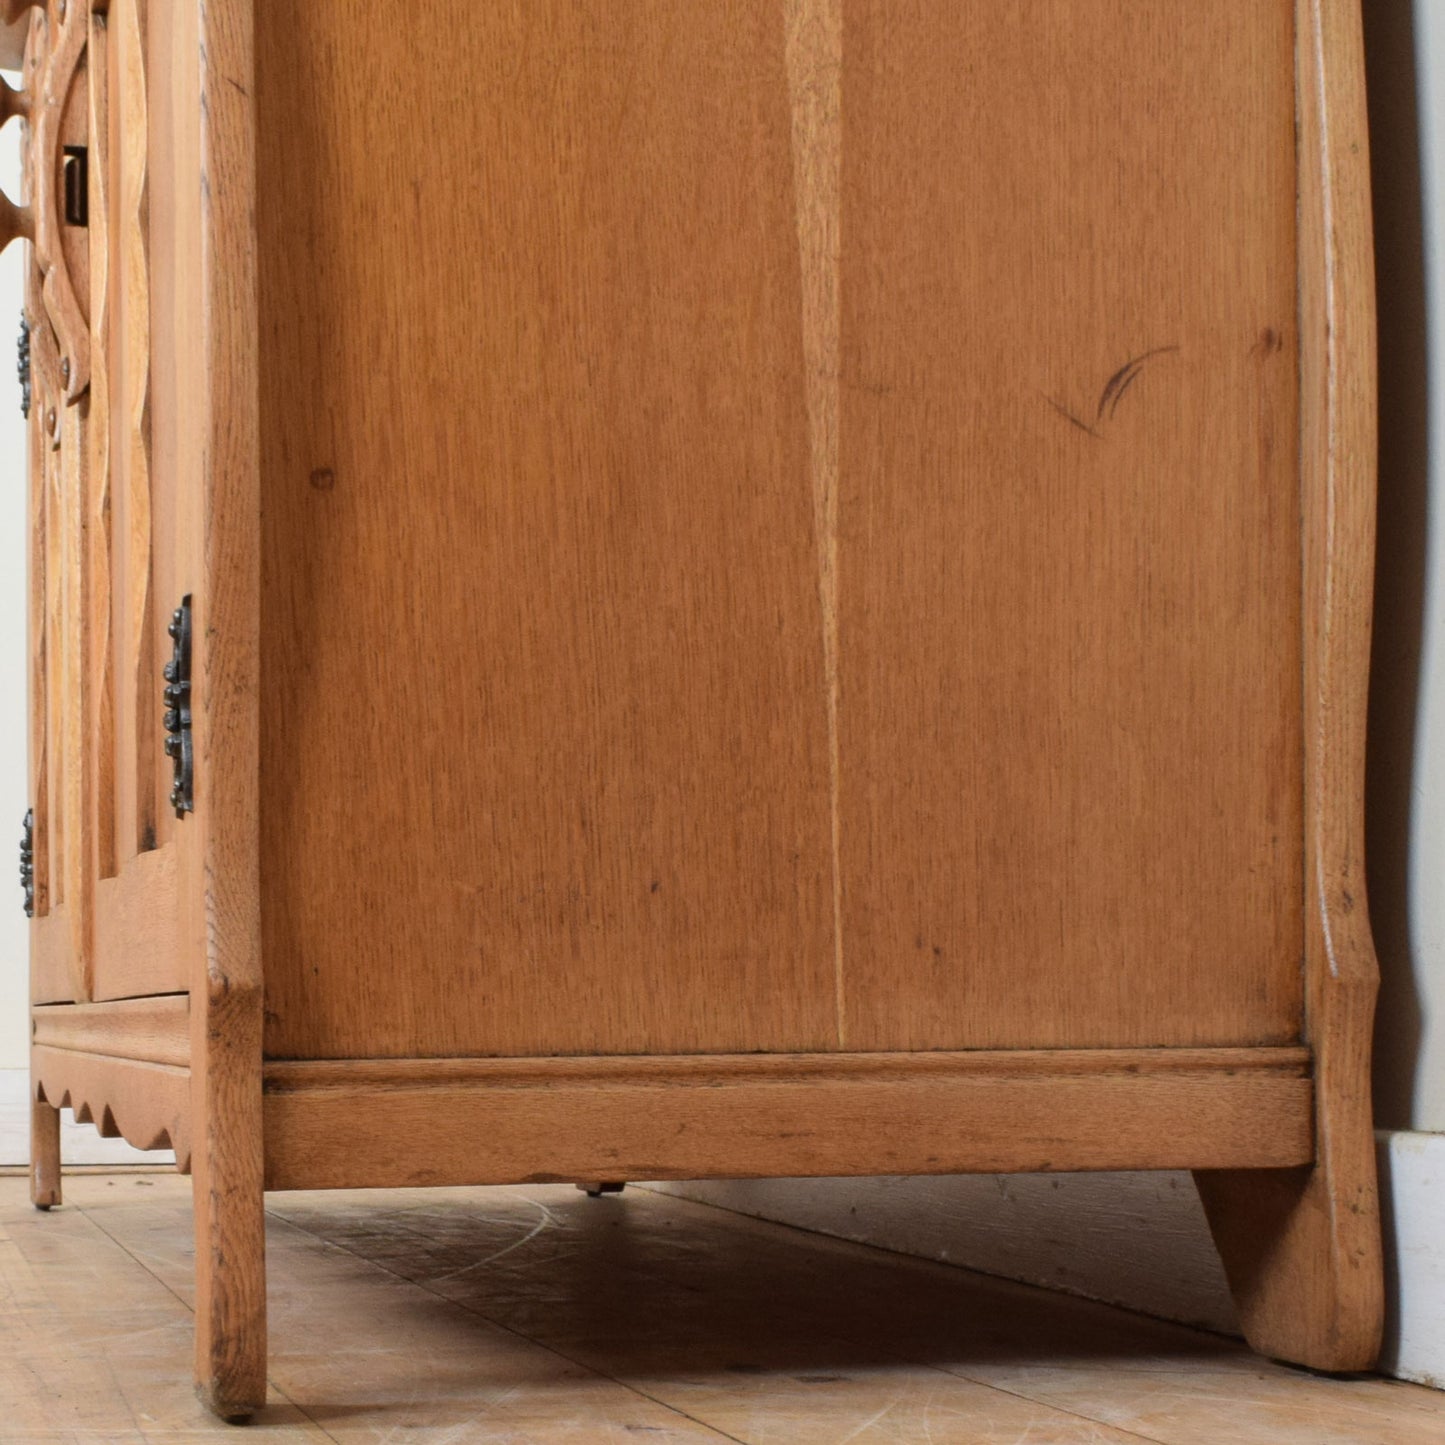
pixel 538 1315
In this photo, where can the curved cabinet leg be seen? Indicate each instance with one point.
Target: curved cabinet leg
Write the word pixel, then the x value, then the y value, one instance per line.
pixel 1302 1254
pixel 1302 1247
pixel 44 1154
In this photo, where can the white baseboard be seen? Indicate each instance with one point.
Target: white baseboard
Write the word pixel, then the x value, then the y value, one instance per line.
pixel 79 1143
pixel 1412 1198
pixel 1137 1240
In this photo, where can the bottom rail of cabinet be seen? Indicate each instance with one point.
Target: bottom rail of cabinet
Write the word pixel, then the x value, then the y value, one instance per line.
pixel 411 1122
pixel 391 1123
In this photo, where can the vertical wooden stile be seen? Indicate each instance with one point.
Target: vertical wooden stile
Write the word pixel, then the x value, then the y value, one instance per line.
pixel 136 668
pixel 1302 1247
pixel 99 735
pixel 218 558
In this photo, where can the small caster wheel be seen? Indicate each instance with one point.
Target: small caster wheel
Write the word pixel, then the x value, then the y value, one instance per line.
pixel 596 1188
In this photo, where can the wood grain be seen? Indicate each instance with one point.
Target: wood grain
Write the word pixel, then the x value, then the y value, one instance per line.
pixel 814 55
pixel 152 1030
pixel 137 948
pixel 1302 1249
pixel 39 681
pixel 522 1306
pixel 354 1125
pixel 990 750
pixel 45 1187
pixel 50 980
pixel 596 811
pixel 778 583
pixel 100 722
pixel 136 665
pixel 210 185
pixel 147 1105
pixel 74 693
pixel 1071 729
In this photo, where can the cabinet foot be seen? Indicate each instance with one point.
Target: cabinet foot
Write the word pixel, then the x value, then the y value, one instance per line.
pixel 596 1188
pixel 1302 1254
pixel 230 1298
pixel 44 1154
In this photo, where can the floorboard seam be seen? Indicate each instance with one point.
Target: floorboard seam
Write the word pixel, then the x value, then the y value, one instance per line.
pixel 1047 1404
pixel 131 1255
pixel 498 1324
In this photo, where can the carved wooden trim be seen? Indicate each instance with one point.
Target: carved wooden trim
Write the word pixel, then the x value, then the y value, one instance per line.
pixel 147 1105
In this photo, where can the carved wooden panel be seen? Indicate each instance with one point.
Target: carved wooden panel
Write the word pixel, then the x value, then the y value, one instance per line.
pixel 96 741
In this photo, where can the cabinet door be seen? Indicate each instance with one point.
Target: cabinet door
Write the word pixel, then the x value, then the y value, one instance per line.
pixel 105 878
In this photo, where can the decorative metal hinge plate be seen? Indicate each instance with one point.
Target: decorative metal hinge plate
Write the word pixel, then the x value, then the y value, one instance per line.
pixel 22 365
pixel 178 711
pixel 27 863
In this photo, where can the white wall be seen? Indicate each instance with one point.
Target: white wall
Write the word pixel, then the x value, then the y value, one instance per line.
pixel 14 986
pixel 1407 706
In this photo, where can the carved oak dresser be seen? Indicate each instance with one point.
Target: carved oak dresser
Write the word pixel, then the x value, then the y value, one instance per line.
pixel 632 590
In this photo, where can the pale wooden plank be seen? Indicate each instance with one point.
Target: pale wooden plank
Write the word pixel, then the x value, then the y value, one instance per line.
pixel 153 1030
pixel 773 1335
pixel 1071 600
pixel 136 669
pixel 137 947
pixel 204 164
pixel 328 1128
pixel 93 1347
pixel 456 1377
pixel 1303 1251
pixel 96 519
pixel 755 1330
pixel 614 808
pixel 50 979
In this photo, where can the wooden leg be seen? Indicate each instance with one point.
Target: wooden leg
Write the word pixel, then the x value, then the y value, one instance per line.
pixel 44 1154
pixel 1303 1264
pixel 228 1189
pixel 230 1294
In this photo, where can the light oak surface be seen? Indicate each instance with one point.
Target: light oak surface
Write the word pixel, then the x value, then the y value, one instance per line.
pixel 530 1316
pixel 146 1104
pixel 1302 1250
pixel 762 557
pixel 819 542
pixel 154 1030
pixel 1069 513
pixel 553 514
pixel 353 1124
pixel 209 178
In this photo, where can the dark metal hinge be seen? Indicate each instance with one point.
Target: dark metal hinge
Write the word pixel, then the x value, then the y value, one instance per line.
pixel 27 863
pixel 178 711
pixel 23 366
